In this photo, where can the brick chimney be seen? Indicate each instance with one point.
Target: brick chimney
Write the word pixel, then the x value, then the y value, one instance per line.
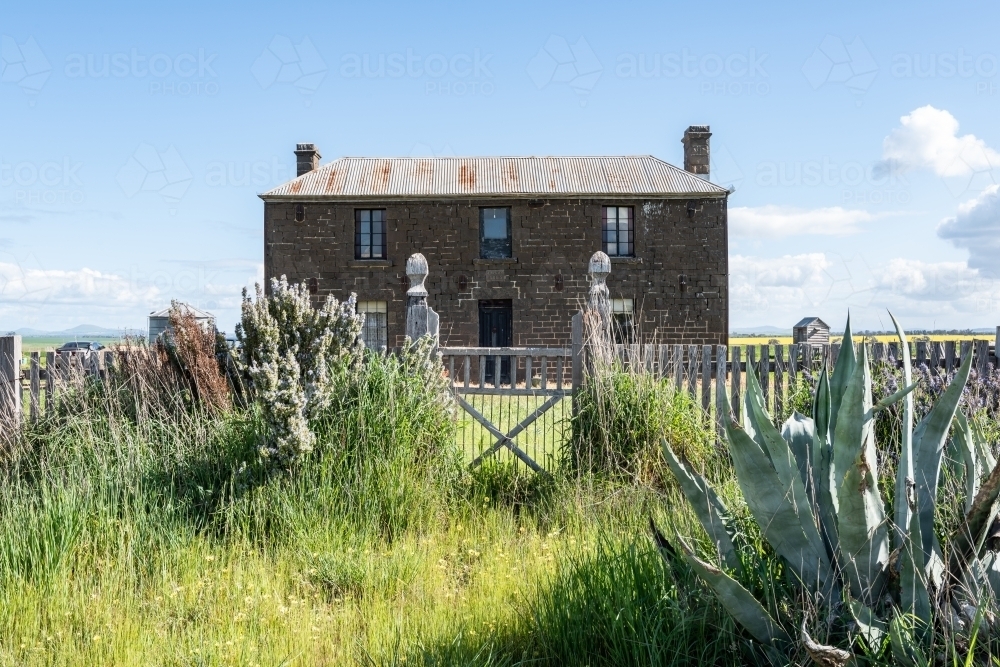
pixel 696 150
pixel 307 158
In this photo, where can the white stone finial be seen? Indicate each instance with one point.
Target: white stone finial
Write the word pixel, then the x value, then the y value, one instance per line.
pixel 600 266
pixel 416 271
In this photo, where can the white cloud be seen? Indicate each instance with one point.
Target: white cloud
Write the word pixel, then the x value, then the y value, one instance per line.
pixel 57 286
pixel 779 290
pixel 976 227
pixel 928 138
pixel 54 299
pixel 932 281
pixel 780 221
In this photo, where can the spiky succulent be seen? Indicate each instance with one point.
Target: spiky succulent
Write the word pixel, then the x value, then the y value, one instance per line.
pixel 812 488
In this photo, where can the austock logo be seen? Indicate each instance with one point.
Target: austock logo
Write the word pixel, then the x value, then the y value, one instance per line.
pixel 23 64
pixel 560 62
pixel 151 171
pixel 51 182
pixel 284 62
pixel 834 62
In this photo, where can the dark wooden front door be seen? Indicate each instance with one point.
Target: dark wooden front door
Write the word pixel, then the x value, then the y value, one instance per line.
pixel 495 323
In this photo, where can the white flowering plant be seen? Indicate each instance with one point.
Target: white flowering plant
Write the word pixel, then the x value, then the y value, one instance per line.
pixel 290 353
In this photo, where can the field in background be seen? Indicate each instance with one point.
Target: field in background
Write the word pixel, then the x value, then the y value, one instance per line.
pixel 42 344
pixel 882 338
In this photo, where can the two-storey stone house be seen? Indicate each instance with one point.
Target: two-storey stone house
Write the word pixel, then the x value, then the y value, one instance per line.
pixel 508 240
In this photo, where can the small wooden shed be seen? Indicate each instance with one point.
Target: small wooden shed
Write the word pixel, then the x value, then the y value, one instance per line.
pixel 159 321
pixel 811 330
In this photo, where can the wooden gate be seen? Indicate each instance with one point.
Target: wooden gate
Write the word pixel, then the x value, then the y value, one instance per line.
pixel 544 374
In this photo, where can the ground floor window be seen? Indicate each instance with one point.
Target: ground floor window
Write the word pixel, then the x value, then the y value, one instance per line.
pixel 623 323
pixel 375 331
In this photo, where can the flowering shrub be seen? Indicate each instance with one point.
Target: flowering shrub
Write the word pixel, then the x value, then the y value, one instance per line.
pixel 981 393
pixel 290 353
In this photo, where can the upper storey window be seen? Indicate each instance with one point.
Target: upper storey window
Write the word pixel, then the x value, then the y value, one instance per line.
pixel 369 233
pixel 618 231
pixel 494 233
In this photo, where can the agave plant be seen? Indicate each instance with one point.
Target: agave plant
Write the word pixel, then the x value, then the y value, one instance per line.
pixel 812 488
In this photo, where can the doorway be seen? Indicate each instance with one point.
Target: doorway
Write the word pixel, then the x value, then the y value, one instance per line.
pixel 496 319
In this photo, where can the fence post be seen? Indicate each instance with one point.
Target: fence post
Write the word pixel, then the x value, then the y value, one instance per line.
pixel 764 376
pixel 421 320
pixel 735 387
pixel 692 370
pixel 10 380
pixel 50 381
pixel 793 366
pixel 982 351
pixel 721 365
pixel 706 378
pixel 35 385
pixel 677 360
pixel 577 343
pixel 779 381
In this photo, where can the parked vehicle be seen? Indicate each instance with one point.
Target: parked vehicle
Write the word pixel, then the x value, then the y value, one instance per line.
pixel 79 346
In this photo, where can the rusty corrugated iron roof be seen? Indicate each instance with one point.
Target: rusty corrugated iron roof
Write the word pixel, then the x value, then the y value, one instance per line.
pixel 360 177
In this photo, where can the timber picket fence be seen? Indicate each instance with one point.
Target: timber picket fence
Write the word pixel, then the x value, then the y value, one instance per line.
pixel 30 386
pixel 708 371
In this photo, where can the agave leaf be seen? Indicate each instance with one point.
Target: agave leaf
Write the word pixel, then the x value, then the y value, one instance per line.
pixel 872 628
pixel 753 401
pixel 993 574
pixel 968 539
pixel 786 464
pixel 861 520
pixel 800 433
pixel 965 443
pixel 738 601
pixel 842 372
pixel 928 448
pixel 905 647
pixel 904 471
pixel 913 584
pixel 821 460
pixel 821 406
pixel 983 452
pixel 828 656
pixel 707 505
pixel 776 499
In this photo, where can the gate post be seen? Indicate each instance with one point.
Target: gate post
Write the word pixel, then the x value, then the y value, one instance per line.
pixel 421 320
pixel 10 381
pixel 596 320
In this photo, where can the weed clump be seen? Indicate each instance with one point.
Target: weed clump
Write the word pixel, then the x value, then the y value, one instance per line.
pixel 621 415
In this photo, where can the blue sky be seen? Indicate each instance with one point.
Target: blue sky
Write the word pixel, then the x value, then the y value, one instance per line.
pixel 860 137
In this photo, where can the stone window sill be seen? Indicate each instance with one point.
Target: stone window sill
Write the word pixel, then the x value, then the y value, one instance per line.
pixel 494 261
pixel 369 263
pixel 626 260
